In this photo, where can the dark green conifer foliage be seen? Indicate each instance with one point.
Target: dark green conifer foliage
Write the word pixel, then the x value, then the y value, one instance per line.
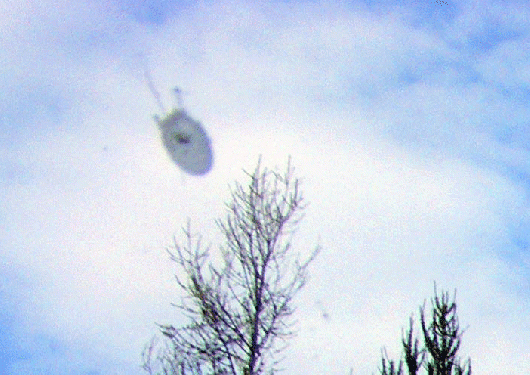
pixel 441 339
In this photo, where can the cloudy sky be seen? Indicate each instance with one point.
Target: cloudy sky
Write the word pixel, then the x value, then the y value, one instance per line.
pixel 408 122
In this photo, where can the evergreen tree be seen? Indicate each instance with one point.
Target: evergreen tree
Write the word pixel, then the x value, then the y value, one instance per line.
pixel 441 338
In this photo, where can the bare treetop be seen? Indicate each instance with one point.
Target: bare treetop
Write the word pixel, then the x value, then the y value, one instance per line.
pixel 239 311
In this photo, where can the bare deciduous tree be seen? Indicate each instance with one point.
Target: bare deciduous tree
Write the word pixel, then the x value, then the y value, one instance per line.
pixel 239 311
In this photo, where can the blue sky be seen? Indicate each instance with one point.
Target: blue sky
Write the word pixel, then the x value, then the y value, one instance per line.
pixel 408 122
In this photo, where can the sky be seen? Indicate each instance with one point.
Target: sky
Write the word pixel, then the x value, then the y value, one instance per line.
pixel 407 121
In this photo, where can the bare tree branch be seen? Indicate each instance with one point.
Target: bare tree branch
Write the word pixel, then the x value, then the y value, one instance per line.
pixel 238 311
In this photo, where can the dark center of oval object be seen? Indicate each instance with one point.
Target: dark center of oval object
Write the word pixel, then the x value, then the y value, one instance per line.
pixel 183 139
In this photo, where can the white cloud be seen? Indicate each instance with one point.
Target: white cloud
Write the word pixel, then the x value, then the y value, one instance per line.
pixel 398 196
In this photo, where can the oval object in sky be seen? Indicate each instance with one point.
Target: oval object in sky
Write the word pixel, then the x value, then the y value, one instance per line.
pixel 183 137
pixel 186 142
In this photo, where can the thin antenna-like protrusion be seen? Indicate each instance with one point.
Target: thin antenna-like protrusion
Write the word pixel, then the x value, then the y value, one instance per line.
pixel 178 94
pixel 152 87
pixel 155 93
